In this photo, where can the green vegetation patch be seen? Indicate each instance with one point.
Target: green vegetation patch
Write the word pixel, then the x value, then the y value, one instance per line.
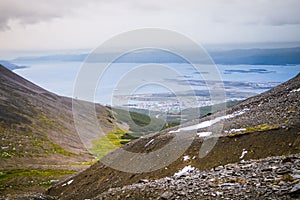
pixel 139 124
pixel 6 155
pixel 90 162
pixel 9 174
pixel 261 127
pixel 251 129
pixel 16 181
pixel 57 149
pixel 109 142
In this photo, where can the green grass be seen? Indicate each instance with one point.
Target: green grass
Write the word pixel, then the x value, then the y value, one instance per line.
pixel 22 181
pixel 28 144
pixel 251 129
pixel 140 124
pixel 109 142
pixel 9 174
pixel 6 155
pixel 90 162
pixel 261 127
pixel 57 149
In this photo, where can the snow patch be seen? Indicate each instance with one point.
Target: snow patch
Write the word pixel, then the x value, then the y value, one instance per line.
pixel 243 153
pixel 234 130
pixel 148 143
pixel 295 90
pixel 68 183
pixel 204 134
pixel 185 170
pixel 186 158
pixel 208 123
pixel 219 193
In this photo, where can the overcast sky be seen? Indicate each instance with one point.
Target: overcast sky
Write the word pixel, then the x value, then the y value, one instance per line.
pixel 77 24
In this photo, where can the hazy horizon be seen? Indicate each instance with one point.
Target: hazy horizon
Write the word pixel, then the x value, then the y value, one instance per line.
pixel 45 27
pixel 13 54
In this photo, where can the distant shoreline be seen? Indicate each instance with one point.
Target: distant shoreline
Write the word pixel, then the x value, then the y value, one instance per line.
pixel 11 66
pixel 281 56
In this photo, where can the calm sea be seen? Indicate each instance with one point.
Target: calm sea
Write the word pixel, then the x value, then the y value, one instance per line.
pixel 59 77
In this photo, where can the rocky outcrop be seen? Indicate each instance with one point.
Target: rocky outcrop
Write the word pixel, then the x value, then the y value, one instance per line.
pixel 269 178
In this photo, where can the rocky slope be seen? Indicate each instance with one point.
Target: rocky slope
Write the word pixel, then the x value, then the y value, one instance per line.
pixel 259 127
pixel 269 178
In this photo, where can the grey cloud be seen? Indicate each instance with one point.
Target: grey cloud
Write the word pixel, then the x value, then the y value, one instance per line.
pixel 33 11
pixel 268 12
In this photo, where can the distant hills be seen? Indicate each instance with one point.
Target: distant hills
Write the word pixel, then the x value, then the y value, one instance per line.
pixel 281 56
pixel 278 56
pixel 10 66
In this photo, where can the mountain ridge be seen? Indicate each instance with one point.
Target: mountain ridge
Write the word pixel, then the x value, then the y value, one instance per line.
pixel 254 56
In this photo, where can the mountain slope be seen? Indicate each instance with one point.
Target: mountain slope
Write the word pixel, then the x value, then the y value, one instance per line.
pixel 39 142
pixel 268 178
pixel 37 132
pixel 31 117
pixel 265 125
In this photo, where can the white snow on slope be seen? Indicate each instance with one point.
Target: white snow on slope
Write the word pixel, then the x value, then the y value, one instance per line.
pixel 149 142
pixel 204 134
pixel 210 122
pixel 185 171
pixel 234 130
pixel 186 158
pixel 243 153
pixel 68 183
pixel 295 90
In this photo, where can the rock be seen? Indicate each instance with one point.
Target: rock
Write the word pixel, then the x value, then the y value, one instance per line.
pixel 266 169
pixel 283 170
pixel 267 178
pixel 219 168
pixel 166 195
pixel 295 191
pixel 182 193
pixel 143 181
